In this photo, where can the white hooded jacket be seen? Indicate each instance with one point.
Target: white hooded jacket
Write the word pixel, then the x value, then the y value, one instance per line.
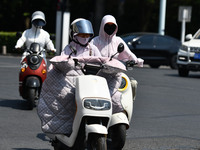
pixel 35 35
pixel 107 44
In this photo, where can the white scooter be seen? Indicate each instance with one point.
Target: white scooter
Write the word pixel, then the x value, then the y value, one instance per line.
pixel 94 120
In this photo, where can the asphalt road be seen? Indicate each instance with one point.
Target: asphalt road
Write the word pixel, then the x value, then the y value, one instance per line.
pixel 166 111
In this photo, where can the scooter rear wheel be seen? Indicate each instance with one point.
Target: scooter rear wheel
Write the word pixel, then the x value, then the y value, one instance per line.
pixel 97 142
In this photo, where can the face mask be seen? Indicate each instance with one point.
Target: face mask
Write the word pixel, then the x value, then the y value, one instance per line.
pixel 81 40
pixel 109 28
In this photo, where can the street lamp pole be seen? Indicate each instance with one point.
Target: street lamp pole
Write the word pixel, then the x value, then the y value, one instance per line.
pixel 162 16
pixel 62 25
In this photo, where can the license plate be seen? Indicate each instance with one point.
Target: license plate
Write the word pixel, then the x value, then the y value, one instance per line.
pixel 197 56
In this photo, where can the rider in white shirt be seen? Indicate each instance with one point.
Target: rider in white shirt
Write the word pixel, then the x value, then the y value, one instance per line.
pixel 36 35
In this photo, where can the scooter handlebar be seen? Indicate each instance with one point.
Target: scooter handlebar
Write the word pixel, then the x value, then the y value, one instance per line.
pixel 130 64
pixel 92 68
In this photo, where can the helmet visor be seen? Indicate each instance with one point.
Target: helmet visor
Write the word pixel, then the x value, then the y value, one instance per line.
pixel 38 22
pixel 83 26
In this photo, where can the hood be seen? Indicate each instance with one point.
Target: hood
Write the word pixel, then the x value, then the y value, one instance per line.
pixel 192 43
pixel 106 19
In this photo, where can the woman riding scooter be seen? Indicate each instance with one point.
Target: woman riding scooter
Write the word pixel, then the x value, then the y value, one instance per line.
pixel 106 42
pixel 74 49
pixel 56 107
pixel 33 62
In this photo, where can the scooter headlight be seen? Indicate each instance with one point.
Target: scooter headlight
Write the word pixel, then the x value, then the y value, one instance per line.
pixel 34 59
pixel 97 104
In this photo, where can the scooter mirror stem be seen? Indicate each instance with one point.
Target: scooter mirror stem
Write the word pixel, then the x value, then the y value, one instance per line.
pixel 113 56
pixel 74 51
pixel 120 49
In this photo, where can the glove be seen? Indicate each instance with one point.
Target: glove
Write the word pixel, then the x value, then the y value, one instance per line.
pixel 140 62
pixel 53 50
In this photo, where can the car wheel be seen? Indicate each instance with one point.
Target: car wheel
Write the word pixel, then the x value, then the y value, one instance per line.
pixel 183 72
pixel 154 65
pixel 173 63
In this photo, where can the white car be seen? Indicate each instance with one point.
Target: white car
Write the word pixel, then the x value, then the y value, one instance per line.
pixel 189 55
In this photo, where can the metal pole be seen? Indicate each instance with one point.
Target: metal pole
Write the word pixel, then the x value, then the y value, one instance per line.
pixel 4 50
pixel 162 17
pixel 62 25
pixel 183 25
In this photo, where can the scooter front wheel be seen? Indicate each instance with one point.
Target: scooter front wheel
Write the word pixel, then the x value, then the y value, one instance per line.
pixel 97 142
pixel 31 97
pixel 117 133
pixel 57 145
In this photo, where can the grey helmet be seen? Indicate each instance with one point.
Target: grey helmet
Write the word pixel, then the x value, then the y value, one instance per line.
pixel 38 19
pixel 81 26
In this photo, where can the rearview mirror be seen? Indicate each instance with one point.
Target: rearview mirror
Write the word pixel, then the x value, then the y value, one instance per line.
pixel 188 37
pixel 120 48
pixel 18 34
pixel 52 36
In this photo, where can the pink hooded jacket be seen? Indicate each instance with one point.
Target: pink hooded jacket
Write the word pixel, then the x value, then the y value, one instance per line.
pixel 107 44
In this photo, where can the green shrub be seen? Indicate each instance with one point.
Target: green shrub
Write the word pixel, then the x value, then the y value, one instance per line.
pixel 8 39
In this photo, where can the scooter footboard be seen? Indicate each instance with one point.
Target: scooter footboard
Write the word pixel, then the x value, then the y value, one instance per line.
pixel 119 118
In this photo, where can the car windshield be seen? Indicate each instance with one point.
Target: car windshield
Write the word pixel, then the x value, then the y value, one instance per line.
pixel 197 35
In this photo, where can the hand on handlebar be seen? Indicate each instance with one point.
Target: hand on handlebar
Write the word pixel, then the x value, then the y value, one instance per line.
pixel 130 63
pixel 140 62
pixel 17 49
pixel 53 51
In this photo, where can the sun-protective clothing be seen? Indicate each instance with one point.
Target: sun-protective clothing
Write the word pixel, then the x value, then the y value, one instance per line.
pixel 36 35
pixel 107 41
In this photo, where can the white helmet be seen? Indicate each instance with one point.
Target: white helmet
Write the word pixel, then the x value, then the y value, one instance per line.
pixel 38 19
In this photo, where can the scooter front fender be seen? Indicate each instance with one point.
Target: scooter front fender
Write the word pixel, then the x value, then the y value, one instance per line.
pixel 96 128
pixel 32 82
pixel 119 118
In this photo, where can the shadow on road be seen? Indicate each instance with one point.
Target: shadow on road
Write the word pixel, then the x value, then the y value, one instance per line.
pixel 28 149
pixel 15 104
pixel 42 136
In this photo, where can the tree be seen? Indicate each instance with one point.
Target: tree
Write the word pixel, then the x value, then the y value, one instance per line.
pixel 131 15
